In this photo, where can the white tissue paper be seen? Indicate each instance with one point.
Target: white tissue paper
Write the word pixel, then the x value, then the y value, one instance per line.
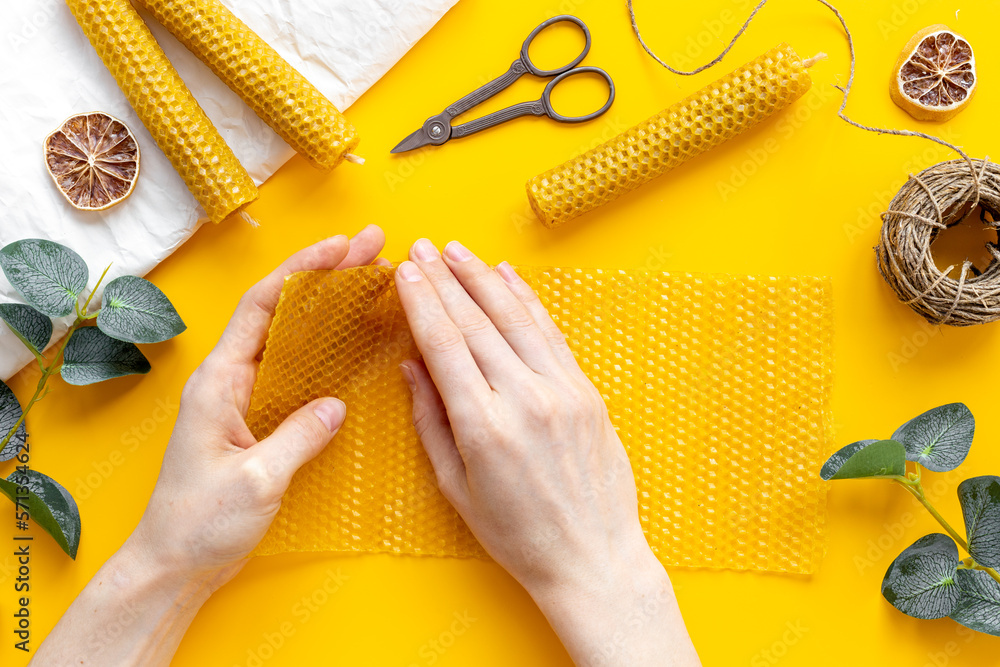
pixel 51 72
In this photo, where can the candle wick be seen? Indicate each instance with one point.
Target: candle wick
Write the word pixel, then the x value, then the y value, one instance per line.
pixel 809 62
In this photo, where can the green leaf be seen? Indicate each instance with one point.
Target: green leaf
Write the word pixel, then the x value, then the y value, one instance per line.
pixel 48 275
pixel 979 606
pixel 93 356
pixel 939 439
pixel 49 505
pixel 10 413
pixel 30 326
pixel 866 458
pixel 921 581
pixel 980 498
pixel 135 310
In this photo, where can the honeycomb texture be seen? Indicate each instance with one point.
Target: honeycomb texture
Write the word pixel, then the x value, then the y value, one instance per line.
pixel 276 91
pixel 165 106
pixel 716 113
pixel 718 386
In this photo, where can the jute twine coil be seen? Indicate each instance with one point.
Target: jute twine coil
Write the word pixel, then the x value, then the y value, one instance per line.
pixel 939 197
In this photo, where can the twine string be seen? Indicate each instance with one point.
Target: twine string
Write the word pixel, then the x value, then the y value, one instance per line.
pixel 937 207
pixel 916 216
pixel 844 90
pixel 930 289
pixel 941 195
pixel 948 192
pixel 713 62
pixel 958 293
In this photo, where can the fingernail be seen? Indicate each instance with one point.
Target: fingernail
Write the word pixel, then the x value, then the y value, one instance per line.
pixel 411 381
pixel 409 272
pixel 506 272
pixel 457 252
pixel 331 412
pixel 425 250
pixel 340 238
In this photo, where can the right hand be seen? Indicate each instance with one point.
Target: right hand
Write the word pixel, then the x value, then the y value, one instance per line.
pixel 519 437
pixel 523 447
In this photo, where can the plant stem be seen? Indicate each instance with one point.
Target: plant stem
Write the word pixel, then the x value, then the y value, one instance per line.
pixel 54 366
pixel 47 372
pixel 915 488
pixel 86 304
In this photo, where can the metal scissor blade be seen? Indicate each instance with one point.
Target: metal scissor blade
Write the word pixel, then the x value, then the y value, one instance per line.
pixel 415 140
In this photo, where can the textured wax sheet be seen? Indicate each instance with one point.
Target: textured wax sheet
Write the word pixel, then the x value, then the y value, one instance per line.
pixel 718 386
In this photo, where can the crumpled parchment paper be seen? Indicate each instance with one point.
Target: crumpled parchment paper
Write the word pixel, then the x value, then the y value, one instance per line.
pixel 51 72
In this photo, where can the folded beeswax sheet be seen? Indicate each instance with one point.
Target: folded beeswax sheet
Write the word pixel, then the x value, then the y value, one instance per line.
pixel 718 385
pixel 342 46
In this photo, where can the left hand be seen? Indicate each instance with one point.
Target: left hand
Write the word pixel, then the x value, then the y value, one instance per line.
pixel 219 488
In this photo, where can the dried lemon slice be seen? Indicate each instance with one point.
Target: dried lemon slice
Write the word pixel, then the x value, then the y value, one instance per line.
pixel 935 75
pixel 94 160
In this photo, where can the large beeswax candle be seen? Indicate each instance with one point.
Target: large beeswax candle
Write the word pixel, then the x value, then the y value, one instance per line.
pixel 165 106
pixel 716 113
pixel 276 91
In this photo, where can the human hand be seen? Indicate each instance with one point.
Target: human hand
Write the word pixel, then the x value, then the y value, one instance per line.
pixel 219 488
pixel 216 495
pixel 523 447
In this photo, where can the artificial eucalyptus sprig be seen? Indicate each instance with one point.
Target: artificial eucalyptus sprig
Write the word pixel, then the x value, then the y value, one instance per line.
pixel 929 579
pixel 52 279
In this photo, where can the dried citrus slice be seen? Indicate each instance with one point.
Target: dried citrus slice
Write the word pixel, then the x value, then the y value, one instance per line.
pixel 935 75
pixel 94 160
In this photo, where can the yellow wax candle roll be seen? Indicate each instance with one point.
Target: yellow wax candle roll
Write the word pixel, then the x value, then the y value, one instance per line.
pixel 716 113
pixel 165 106
pixel 295 109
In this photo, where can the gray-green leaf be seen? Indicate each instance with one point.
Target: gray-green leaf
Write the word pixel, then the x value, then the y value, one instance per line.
pixel 921 581
pixel 10 413
pixel 92 356
pixel 50 506
pixel 940 438
pixel 979 606
pixel 48 275
pixel 866 458
pixel 30 326
pixel 980 498
pixel 135 310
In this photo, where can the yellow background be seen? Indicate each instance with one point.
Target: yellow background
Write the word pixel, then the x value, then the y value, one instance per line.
pixel 799 195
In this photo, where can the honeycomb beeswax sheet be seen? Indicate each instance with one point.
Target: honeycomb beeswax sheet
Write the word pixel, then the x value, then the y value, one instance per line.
pixel 718 386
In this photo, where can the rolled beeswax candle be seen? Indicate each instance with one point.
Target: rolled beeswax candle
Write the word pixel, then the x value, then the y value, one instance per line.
pixel 716 113
pixel 275 90
pixel 165 106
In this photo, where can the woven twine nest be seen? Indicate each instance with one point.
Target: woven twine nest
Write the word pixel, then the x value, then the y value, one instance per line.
pixel 939 197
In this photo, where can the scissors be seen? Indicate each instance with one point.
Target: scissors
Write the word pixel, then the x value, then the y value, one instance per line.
pixel 438 129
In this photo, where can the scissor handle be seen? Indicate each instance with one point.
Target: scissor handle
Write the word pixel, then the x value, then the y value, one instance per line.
pixel 534 108
pixel 540 107
pixel 555 115
pixel 485 92
pixel 537 71
pixel 517 69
